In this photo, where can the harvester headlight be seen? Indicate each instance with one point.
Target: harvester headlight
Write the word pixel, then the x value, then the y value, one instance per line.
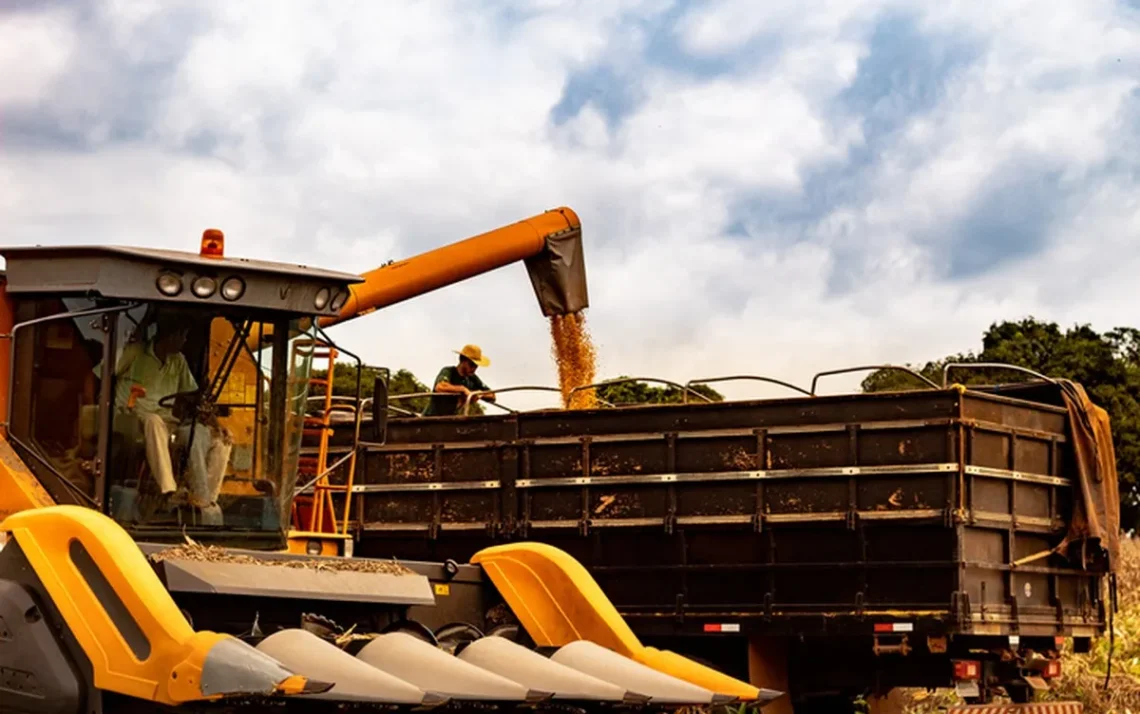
pixel 339 301
pixel 322 298
pixel 204 287
pixel 169 284
pixel 233 288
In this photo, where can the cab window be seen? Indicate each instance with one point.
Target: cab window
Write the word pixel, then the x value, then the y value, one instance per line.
pixel 55 400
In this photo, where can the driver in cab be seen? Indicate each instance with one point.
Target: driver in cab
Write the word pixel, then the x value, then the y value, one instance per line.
pixel 148 372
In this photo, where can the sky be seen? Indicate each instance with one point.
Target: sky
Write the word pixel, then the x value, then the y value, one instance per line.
pixel 771 188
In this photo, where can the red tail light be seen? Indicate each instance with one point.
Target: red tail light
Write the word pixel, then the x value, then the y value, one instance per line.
pixel 967 669
pixel 1052 670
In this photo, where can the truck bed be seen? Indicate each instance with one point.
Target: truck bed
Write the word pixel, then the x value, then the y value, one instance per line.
pixel 805 516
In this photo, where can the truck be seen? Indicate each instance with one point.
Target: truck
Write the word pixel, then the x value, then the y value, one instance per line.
pixel 829 546
pixel 154 555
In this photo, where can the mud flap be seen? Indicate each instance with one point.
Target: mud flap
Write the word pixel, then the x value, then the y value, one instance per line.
pixel 558 602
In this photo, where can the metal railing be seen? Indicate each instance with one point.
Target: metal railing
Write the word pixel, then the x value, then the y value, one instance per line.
pixel 750 377
pixel 990 365
pixel 689 392
pixel 475 396
pixel 627 380
pixel 870 368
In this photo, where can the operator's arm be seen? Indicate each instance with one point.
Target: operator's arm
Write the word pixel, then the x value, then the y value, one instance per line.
pixel 443 383
pixel 489 396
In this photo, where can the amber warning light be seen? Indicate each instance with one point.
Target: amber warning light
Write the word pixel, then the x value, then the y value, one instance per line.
pixel 213 244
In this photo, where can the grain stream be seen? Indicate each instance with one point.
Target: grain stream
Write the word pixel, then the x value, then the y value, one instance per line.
pixel 573 352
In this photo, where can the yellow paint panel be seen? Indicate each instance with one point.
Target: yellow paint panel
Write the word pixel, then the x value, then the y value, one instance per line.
pixel 558 602
pixel 45 535
pixel 398 281
pixel 19 488
pixel 555 598
pixel 331 545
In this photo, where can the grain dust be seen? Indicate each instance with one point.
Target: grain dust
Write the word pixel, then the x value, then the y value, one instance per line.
pixel 573 352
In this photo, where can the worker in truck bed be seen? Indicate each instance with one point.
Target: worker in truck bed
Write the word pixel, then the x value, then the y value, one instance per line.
pixel 455 382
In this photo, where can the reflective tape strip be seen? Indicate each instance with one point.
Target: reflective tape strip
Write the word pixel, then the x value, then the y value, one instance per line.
pixel 894 627
pixel 1032 708
pixel 722 627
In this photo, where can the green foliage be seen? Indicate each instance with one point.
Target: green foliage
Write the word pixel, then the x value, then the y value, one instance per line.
pixel 344 380
pixel 402 382
pixel 627 393
pixel 1107 365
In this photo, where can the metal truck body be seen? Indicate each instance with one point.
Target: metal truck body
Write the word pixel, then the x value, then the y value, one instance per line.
pixel 826 544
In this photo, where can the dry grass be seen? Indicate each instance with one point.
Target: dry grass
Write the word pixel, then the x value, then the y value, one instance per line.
pixel 1083 676
pixel 213 554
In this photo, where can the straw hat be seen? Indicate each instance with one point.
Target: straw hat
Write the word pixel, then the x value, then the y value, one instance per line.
pixel 473 353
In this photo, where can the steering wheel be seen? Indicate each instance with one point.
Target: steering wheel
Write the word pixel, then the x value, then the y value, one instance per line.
pixel 194 402
pixel 167 402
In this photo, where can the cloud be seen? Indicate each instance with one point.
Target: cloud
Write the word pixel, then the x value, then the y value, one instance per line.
pixel 772 188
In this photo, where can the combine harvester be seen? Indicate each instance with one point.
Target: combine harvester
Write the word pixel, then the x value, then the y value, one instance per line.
pixel 115 598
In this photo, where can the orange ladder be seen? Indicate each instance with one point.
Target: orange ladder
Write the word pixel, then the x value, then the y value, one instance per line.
pixel 316 512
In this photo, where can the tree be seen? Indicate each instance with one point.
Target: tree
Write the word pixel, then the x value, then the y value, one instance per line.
pixel 1107 365
pixel 402 382
pixel 344 380
pixel 627 393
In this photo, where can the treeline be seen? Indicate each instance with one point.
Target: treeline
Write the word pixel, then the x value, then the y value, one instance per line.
pixel 402 381
pixel 1107 365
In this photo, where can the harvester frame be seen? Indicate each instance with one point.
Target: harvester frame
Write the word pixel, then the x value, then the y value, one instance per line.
pixel 117 596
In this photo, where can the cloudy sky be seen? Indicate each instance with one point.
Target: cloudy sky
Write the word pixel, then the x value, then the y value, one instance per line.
pixel 768 187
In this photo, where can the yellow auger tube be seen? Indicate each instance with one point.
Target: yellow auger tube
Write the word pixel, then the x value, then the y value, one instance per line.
pixel 559 602
pixel 136 638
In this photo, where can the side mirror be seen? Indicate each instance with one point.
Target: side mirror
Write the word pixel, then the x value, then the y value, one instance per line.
pixel 379 411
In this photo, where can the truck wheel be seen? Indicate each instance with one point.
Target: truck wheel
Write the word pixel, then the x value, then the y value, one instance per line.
pixel 1019 692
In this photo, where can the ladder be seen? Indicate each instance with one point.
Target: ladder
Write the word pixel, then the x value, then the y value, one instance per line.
pixel 314 510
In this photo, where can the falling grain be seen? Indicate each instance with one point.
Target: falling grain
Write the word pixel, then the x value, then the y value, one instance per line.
pixel 574 354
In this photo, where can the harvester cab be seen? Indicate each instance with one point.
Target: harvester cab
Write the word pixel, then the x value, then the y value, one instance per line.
pixel 165 389
pixel 154 405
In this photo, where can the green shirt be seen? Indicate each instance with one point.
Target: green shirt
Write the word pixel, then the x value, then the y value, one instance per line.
pixel 451 404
